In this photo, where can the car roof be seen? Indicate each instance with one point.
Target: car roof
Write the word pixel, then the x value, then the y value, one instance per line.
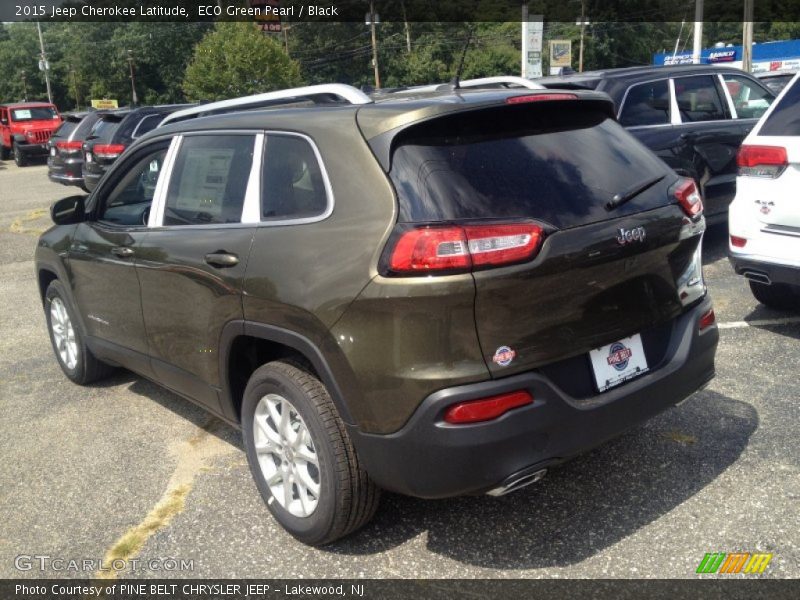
pixel 28 105
pixel 590 79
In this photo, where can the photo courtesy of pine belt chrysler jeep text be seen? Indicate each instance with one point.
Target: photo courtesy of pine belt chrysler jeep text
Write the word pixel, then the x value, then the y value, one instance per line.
pixel 482 279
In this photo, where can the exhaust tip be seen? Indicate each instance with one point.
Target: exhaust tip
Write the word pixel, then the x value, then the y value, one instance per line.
pixel 757 276
pixel 517 482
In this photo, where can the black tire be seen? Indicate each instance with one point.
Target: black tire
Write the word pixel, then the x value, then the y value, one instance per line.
pixel 777 295
pixel 87 368
pixel 347 498
pixel 19 157
pixel 4 152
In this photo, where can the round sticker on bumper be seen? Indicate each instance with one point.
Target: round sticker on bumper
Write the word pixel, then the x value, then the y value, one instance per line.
pixel 503 356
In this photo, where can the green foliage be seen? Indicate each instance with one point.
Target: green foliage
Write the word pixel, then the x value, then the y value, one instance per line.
pixel 236 59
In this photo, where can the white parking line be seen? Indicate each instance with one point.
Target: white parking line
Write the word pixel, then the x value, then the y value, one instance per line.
pixel 758 323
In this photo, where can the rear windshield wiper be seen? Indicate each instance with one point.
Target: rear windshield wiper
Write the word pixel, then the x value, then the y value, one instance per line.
pixel 633 191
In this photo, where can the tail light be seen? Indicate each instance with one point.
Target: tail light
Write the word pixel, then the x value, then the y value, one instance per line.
pixel 455 248
pixel 738 242
pixel 707 320
pixel 69 147
pixel 689 198
pixel 486 409
pixel 539 98
pixel 108 150
pixel 762 161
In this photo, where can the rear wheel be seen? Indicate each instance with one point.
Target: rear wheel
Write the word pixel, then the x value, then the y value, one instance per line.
pixel 776 295
pixel 74 358
pixel 19 157
pixel 301 456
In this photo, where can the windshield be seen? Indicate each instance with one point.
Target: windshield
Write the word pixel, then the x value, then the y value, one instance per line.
pixel 34 113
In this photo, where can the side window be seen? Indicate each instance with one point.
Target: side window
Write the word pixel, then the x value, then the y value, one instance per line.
pixel 646 104
pixel 698 99
pixel 3 116
pixel 750 100
pixel 293 186
pixel 129 202
pixel 209 180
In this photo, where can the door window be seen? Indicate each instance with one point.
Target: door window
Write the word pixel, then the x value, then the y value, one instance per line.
pixel 209 180
pixel 129 202
pixel 698 99
pixel 750 99
pixel 293 185
pixel 646 104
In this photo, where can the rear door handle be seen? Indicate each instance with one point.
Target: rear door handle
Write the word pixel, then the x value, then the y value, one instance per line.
pixel 122 251
pixel 222 259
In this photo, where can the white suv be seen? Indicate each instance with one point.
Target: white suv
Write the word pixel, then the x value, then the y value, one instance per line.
pixel 764 218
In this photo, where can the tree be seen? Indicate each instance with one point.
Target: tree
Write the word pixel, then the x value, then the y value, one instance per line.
pixel 236 59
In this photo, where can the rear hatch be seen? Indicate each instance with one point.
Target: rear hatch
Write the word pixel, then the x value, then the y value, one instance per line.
pixel 100 148
pixel 537 177
pixel 770 159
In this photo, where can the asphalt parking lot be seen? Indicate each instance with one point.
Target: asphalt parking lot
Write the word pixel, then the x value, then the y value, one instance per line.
pixel 125 468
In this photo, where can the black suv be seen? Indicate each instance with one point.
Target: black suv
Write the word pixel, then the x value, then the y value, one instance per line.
pixel 436 293
pixel 65 159
pixel 114 131
pixel 694 117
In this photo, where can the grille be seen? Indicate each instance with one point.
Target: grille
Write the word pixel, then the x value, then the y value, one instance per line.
pixel 40 137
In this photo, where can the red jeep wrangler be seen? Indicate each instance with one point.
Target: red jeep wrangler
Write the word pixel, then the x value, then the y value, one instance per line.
pixel 25 129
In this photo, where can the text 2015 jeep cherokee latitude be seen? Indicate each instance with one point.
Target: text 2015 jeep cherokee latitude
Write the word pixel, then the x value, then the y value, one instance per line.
pixel 436 293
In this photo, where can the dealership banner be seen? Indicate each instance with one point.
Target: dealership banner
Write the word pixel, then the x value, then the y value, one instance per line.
pixel 273 13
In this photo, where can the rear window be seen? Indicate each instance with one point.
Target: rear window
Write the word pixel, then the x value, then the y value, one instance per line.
pixel 557 163
pixel 785 118
pixel 66 128
pixel 105 127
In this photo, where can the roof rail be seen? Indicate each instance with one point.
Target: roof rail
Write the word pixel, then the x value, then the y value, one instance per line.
pixel 481 82
pixel 345 92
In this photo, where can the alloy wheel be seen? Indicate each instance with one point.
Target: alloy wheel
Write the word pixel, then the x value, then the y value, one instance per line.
pixel 63 333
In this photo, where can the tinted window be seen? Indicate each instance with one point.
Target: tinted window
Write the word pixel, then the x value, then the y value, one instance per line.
pixel 66 128
pixel 209 180
pixel 130 200
pixel 293 186
pixel 785 117
pixel 777 82
pixel 560 164
pixel 750 99
pixel 105 127
pixel 37 113
pixel 698 99
pixel 646 104
pixel 147 124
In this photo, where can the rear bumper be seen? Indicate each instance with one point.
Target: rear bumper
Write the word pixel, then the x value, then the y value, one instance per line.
pixel 429 458
pixel 748 265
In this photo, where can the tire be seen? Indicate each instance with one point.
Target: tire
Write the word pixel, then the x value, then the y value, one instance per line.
pixel 74 358
pixel 334 497
pixel 777 295
pixel 4 152
pixel 19 157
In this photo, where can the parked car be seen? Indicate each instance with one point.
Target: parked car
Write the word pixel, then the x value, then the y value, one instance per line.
pixel 692 116
pixel 776 80
pixel 764 221
pixel 25 128
pixel 65 161
pixel 437 295
pixel 113 132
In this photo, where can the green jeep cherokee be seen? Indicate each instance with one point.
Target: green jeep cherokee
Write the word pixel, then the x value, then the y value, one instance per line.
pixel 437 291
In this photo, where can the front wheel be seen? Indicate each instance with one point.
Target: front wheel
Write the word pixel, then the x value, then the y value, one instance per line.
pixel 776 295
pixel 74 358
pixel 301 457
pixel 19 157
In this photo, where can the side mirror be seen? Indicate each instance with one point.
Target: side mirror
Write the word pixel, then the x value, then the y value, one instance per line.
pixel 68 211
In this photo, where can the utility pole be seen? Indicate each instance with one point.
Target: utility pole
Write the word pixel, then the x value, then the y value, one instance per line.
pixel 408 29
pixel 583 24
pixel 747 37
pixel 698 31
pixel 75 86
pixel 24 86
pixel 372 19
pixel 285 29
pixel 134 99
pixel 44 65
